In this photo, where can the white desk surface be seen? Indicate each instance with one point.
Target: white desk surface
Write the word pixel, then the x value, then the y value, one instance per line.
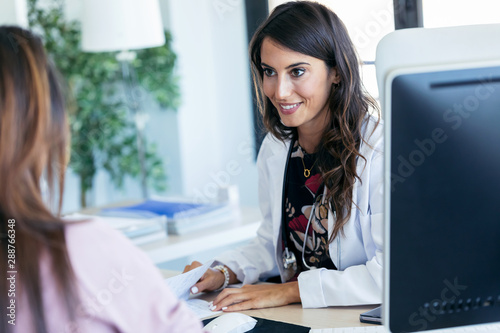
pixel 331 317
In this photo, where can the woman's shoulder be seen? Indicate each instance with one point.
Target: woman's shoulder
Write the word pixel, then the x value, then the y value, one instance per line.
pixel 119 284
pixel 85 230
pixel 372 131
pixel 95 249
pixel 272 142
pixel 373 128
pixel 271 145
pixel 109 272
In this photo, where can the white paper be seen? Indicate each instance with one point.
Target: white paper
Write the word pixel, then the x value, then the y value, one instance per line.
pixel 200 308
pixel 182 283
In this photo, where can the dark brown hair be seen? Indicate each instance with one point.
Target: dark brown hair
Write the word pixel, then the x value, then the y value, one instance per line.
pixel 314 30
pixel 33 144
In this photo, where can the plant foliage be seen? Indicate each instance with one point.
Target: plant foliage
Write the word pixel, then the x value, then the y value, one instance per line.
pixel 103 133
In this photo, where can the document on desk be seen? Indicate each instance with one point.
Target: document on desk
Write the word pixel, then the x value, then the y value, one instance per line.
pixel 181 286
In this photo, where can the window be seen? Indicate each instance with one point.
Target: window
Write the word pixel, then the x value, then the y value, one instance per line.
pixel 444 13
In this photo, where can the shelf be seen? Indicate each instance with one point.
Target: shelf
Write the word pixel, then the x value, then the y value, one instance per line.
pixel 174 247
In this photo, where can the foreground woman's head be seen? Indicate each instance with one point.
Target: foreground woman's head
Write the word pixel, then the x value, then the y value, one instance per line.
pixel 33 130
pixel 33 141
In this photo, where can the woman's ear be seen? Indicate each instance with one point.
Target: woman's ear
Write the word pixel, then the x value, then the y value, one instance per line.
pixel 334 76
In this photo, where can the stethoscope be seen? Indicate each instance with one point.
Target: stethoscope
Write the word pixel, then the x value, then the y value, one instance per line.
pixel 289 260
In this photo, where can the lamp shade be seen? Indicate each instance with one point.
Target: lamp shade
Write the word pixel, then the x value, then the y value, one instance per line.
pixel 117 25
pixel 14 12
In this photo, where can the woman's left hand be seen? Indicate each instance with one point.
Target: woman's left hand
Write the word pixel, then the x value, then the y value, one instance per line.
pixel 257 297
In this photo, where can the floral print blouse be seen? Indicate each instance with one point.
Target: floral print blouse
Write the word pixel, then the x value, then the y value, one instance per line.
pixel 302 193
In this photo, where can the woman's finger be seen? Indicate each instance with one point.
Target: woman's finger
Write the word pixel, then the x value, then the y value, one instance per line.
pixel 224 293
pixel 210 281
pixel 192 266
pixel 233 298
pixel 246 305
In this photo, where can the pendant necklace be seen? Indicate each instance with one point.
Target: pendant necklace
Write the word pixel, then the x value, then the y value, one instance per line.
pixel 307 172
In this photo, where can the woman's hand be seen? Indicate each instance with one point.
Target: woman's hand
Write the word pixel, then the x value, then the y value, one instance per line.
pixel 212 279
pixel 257 297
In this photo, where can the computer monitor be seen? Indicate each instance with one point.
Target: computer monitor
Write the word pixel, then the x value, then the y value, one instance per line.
pixel 442 180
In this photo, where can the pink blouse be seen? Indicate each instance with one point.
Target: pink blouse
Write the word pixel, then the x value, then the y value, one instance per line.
pixel 120 289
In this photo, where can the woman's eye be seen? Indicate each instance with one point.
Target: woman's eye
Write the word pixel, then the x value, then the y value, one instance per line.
pixel 268 72
pixel 298 72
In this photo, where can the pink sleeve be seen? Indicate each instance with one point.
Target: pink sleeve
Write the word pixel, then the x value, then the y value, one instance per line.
pixel 119 285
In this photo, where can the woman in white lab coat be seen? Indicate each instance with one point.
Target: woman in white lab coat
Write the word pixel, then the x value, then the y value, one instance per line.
pixel 320 172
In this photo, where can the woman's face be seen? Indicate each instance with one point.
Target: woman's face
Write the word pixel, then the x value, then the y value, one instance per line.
pixel 298 85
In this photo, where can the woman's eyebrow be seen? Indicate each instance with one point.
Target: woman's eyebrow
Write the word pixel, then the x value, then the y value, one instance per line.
pixel 289 66
pixel 298 64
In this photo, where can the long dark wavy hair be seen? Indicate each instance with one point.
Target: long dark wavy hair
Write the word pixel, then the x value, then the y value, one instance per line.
pixel 314 30
pixel 33 144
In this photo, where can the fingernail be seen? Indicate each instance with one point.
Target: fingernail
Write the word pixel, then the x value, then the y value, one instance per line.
pixel 224 308
pixel 210 304
pixel 194 290
pixel 213 307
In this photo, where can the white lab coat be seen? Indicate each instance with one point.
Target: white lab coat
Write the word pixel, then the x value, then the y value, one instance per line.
pixel 357 256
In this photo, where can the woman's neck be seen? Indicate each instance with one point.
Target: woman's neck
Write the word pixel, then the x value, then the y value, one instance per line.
pixel 310 133
pixel 309 141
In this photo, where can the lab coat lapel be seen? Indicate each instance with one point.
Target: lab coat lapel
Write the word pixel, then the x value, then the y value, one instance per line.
pixel 334 246
pixel 276 168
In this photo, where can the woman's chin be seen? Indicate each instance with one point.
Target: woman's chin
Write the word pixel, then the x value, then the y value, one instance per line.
pixel 289 122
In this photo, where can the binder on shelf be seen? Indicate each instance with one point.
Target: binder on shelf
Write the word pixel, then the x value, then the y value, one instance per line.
pixel 182 216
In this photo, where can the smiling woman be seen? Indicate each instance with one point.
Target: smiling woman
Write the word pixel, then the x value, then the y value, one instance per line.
pixel 320 172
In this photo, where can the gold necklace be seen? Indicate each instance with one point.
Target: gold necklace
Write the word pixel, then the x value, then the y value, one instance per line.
pixel 307 172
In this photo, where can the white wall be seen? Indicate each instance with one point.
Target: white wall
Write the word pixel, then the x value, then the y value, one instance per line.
pixel 14 12
pixel 209 141
pixel 214 122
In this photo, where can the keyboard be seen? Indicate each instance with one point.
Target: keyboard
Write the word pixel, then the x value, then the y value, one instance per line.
pixel 487 328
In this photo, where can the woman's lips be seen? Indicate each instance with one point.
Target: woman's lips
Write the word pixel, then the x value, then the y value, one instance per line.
pixel 288 109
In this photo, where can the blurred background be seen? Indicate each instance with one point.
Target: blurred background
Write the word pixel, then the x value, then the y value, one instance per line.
pixel 191 96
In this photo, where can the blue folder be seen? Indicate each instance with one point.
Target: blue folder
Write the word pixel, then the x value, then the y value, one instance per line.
pixel 170 209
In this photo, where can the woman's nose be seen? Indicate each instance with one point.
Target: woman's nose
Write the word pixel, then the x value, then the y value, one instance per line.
pixel 283 88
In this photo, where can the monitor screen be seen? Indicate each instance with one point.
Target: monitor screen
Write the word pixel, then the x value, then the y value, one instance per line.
pixel 443 139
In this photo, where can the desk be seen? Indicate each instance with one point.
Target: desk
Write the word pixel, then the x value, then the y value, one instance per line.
pixel 331 317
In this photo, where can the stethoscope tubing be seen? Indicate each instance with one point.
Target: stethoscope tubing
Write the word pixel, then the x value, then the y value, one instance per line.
pixel 284 224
